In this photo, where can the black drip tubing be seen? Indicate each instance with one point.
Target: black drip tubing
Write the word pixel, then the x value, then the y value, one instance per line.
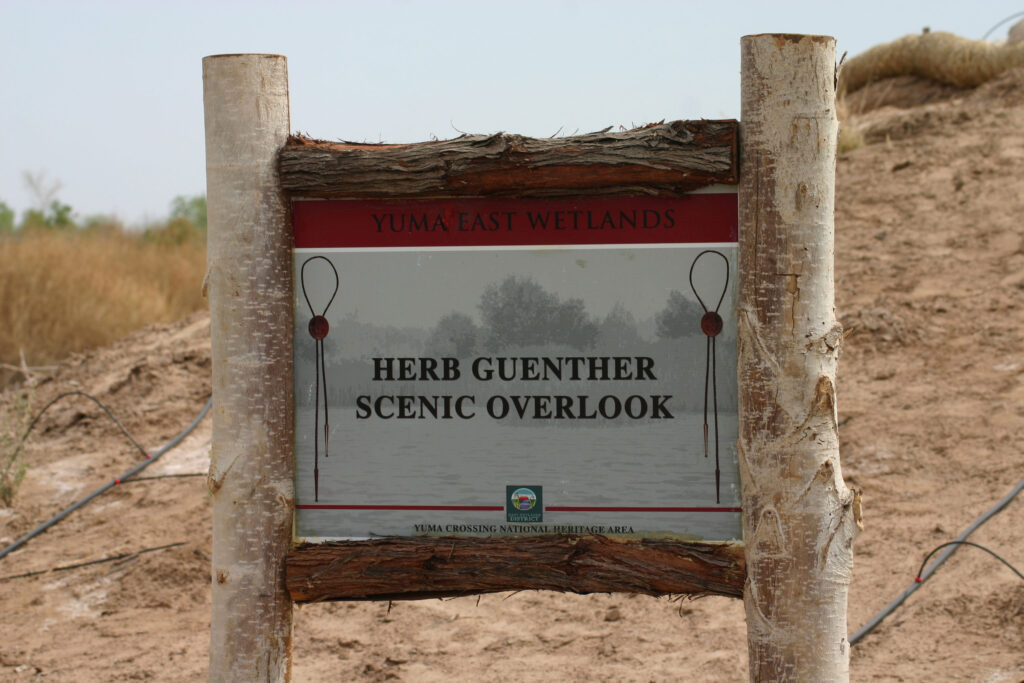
pixel 109 485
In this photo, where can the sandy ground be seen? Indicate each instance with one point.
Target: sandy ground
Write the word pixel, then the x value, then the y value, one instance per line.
pixel 930 267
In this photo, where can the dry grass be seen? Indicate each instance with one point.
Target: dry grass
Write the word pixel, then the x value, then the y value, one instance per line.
pixel 64 292
pixel 15 417
pixel 936 55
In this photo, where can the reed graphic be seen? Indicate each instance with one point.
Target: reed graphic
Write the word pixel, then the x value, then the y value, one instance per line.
pixel 711 325
pixel 318 330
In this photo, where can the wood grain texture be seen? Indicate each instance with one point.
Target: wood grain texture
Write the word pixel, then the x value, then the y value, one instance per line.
pixel 665 159
pixel 799 517
pixel 249 278
pixel 415 568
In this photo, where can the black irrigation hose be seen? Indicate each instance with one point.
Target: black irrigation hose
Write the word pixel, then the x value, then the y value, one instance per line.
pixel 182 475
pixel 927 557
pixel 109 485
pixel 1003 21
pixel 95 400
pixel 79 565
pixel 924 575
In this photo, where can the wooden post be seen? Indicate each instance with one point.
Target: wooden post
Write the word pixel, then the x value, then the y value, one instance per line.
pixel 249 279
pixel 799 517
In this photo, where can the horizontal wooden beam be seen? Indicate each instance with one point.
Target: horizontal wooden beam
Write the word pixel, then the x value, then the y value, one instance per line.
pixel 411 568
pixel 666 159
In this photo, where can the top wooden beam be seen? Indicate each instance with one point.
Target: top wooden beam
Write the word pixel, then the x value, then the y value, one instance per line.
pixel 664 159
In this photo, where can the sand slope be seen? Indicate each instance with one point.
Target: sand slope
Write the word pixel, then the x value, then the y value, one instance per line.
pixel 930 267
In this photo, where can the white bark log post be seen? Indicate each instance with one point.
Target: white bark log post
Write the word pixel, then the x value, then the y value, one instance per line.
pixel 249 279
pixel 799 517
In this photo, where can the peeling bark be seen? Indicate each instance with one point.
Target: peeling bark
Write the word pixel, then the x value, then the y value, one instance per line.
pixel 668 159
pixel 417 568
pixel 249 276
pixel 799 517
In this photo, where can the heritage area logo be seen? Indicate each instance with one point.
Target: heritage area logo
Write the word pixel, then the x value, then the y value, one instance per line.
pixel 524 504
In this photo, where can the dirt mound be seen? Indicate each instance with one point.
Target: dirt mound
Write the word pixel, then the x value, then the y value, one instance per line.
pixel 929 260
pixel 902 92
pixel 908 107
pixel 930 256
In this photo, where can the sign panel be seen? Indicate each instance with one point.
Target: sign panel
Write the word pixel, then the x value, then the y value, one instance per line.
pixel 500 367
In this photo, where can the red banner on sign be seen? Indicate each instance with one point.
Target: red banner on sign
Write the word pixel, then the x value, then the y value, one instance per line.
pixel 693 219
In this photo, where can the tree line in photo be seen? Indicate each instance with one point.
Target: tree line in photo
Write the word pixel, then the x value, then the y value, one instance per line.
pixel 71 282
pixel 519 317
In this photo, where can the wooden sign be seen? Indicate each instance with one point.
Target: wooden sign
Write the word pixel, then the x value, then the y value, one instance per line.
pixel 526 367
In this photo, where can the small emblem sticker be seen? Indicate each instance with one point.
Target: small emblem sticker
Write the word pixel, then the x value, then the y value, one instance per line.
pixel 524 504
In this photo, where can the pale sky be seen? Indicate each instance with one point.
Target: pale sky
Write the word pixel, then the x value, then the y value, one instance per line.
pixel 106 97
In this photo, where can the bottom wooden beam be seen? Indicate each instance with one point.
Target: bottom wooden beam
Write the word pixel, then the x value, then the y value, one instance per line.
pixel 412 568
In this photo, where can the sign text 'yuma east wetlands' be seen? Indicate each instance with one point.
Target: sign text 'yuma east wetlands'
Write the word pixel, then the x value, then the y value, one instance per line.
pixel 495 221
pixel 695 218
pixel 516 366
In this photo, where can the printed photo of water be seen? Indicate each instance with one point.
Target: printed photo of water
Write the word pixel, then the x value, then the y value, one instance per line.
pixel 597 384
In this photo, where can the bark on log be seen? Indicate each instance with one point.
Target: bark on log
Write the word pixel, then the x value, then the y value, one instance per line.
pixel 249 277
pixel 417 568
pixel 668 159
pixel 799 518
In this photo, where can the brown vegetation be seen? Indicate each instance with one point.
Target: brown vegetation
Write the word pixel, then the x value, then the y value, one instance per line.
pixel 938 56
pixel 66 291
